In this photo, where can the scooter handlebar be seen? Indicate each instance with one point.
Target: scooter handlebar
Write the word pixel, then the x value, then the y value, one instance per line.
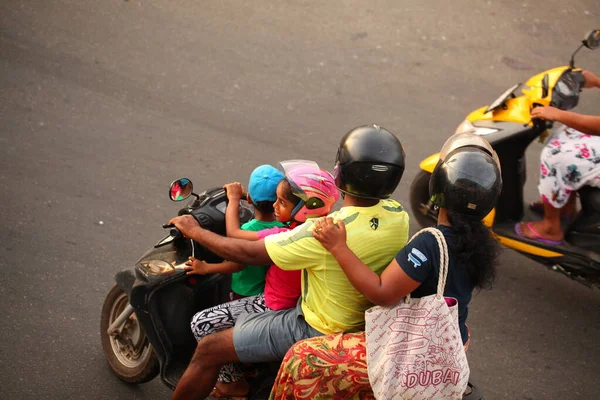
pixel 174 231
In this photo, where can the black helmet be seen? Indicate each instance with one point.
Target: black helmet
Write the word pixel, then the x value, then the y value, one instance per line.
pixel 467 179
pixel 369 162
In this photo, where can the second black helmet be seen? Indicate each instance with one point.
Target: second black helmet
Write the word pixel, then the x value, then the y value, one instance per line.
pixel 369 163
pixel 467 179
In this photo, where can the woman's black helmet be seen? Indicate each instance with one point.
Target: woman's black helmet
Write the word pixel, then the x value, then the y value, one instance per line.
pixel 369 163
pixel 467 179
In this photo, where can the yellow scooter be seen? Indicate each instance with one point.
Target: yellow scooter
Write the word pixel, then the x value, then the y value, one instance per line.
pixel 506 124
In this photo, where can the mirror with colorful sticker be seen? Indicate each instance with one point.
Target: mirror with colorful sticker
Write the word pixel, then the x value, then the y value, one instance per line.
pixel 181 189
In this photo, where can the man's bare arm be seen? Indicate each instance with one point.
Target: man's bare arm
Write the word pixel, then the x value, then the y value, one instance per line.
pixel 237 250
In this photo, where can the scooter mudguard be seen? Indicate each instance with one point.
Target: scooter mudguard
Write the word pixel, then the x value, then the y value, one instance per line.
pixel 125 280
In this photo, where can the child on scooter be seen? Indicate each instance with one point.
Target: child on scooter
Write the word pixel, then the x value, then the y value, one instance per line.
pixel 306 191
pixel 248 280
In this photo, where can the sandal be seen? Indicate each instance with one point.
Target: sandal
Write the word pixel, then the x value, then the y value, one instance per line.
pixel 218 394
pixel 538 237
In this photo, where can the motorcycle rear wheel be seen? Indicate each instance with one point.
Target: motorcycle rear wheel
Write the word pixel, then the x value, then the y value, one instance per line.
pixel 129 354
pixel 419 199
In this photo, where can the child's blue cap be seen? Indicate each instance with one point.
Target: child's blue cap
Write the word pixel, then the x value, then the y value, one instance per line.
pixel 263 183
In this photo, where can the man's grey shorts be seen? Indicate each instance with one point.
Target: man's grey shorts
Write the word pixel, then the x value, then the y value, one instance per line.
pixel 267 336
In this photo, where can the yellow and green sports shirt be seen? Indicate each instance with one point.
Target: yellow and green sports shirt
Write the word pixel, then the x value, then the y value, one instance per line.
pixel 329 301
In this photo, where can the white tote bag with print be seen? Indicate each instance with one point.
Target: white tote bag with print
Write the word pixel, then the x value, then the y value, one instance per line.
pixel 414 349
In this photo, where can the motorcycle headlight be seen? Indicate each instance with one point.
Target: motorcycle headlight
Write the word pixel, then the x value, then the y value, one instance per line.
pixel 157 267
pixel 565 88
pixel 467 127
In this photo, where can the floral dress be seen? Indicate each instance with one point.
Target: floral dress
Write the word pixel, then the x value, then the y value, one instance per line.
pixel 326 367
pixel 569 160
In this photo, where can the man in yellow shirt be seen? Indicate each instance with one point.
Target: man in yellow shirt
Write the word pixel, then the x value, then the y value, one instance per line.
pixel 369 166
pixel 330 304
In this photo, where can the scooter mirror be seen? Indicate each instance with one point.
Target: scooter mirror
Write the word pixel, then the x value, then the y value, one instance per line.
pixel 181 189
pixel 592 39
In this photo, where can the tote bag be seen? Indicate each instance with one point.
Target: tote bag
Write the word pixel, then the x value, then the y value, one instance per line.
pixel 414 349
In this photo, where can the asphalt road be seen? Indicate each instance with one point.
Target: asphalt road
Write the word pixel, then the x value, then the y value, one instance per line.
pixel 104 103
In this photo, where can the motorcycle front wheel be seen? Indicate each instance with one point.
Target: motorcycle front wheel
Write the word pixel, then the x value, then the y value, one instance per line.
pixel 425 215
pixel 129 354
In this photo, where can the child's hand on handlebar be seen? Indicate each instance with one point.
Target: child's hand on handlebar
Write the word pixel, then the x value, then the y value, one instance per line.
pixel 235 191
pixel 547 113
pixel 195 266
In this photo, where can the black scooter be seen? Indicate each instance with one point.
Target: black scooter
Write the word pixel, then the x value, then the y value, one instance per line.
pixel 145 322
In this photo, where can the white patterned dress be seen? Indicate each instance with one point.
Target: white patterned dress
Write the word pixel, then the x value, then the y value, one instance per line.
pixel 570 160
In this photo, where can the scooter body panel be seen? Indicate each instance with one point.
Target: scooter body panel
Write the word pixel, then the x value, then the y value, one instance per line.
pixel 165 302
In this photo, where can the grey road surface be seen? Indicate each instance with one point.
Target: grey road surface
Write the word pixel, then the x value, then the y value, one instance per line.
pixel 104 103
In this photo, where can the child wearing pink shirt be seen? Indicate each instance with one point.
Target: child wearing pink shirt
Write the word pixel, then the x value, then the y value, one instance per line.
pixel 306 191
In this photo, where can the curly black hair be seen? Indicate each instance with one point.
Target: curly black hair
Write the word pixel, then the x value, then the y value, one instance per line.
pixel 476 249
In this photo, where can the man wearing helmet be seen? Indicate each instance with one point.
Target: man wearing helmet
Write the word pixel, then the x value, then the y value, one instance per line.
pixel 369 166
pixel 465 185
